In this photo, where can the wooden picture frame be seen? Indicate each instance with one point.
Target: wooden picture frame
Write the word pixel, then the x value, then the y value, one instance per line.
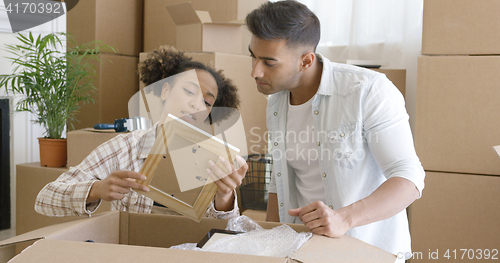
pixel 195 200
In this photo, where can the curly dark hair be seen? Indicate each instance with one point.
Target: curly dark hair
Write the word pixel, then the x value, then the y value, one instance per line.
pixel 167 61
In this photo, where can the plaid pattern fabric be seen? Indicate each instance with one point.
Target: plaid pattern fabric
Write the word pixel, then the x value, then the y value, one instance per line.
pixel 68 194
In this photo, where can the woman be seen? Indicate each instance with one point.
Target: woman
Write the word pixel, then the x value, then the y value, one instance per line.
pixel 110 171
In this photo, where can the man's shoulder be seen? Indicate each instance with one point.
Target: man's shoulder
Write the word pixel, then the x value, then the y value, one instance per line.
pixel 352 72
pixel 346 79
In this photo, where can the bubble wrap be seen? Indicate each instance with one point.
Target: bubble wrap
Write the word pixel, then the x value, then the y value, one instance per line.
pixel 280 241
pixel 187 246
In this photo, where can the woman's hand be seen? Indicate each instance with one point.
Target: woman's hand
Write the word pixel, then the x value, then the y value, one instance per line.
pixel 227 178
pixel 116 186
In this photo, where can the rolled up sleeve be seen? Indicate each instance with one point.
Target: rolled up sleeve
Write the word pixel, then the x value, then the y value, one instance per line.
pixel 388 133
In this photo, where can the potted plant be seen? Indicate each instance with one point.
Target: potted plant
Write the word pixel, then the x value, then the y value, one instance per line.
pixel 53 81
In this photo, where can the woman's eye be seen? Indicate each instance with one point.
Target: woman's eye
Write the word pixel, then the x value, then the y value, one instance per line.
pixel 188 91
pixel 208 104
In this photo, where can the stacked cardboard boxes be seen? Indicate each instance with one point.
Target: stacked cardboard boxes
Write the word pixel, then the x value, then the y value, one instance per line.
pixel 457 88
pixel 117 23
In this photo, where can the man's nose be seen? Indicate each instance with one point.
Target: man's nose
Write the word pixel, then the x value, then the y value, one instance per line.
pixel 257 70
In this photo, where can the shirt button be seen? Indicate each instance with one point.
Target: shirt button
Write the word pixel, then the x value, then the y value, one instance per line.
pixel 342 134
pixel 319 143
pixel 275 144
pixel 316 112
pixel 324 175
pixel 275 114
pixel 331 207
pixel 279 174
pixel 281 204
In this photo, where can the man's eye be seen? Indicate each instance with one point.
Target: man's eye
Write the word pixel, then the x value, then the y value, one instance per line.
pixel 188 91
pixel 269 64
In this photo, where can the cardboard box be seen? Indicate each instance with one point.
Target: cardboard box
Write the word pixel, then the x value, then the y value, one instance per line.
pixel 195 31
pixel 257 215
pixel 146 235
pixel 117 23
pixel 116 81
pixel 456 99
pixel 31 178
pixel 397 76
pixel 456 212
pixel 453 27
pixel 160 29
pixel 82 142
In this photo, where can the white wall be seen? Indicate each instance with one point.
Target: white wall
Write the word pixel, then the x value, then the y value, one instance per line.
pixel 23 133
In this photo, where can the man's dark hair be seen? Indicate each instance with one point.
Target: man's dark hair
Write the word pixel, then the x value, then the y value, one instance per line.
pixel 288 20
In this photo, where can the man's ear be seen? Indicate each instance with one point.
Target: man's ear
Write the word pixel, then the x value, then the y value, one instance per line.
pixel 307 61
pixel 165 90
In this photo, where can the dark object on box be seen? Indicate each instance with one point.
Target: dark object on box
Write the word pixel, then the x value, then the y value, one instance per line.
pixel 253 189
pixel 212 233
pixel 125 124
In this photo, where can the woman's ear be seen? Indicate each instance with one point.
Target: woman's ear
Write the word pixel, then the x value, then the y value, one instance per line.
pixel 165 90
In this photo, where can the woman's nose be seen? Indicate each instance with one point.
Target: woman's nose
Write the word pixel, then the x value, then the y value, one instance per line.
pixel 197 105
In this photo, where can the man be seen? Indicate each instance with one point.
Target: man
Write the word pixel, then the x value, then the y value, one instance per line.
pixel 343 155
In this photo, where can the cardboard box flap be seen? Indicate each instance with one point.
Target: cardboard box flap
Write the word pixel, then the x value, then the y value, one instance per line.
pixel 39 233
pixel 204 16
pixel 70 251
pixel 184 14
pixel 226 23
pixel 497 149
pixel 60 231
pixel 345 249
pixel 242 22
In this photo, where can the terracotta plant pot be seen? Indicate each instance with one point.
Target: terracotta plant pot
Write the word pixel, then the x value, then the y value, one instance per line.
pixel 53 152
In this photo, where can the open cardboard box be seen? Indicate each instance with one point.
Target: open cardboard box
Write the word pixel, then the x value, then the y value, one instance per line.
pixel 196 32
pixel 159 27
pixel 147 236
